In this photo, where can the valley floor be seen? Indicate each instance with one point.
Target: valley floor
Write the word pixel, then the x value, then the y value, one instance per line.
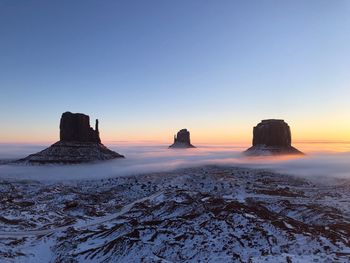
pixel 206 214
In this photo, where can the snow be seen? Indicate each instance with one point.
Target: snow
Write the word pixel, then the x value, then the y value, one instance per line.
pixel 288 225
pixel 249 215
pixel 200 214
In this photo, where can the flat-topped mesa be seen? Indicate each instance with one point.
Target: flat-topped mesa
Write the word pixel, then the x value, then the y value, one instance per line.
pixel 272 137
pixel 75 127
pixel 79 143
pixel 182 140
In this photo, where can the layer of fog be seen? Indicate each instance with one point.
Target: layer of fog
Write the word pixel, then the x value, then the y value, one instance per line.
pixel 148 159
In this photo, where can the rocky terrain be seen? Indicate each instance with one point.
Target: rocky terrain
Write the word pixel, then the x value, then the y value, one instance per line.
pixel 182 140
pixel 208 214
pixel 272 137
pixel 72 153
pixel 79 143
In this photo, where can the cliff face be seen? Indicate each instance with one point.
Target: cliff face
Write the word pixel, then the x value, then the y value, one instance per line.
pixel 79 143
pixel 272 133
pixel 75 127
pixel 182 140
pixel 272 137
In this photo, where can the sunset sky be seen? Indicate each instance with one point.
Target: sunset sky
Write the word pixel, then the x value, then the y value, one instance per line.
pixel 146 69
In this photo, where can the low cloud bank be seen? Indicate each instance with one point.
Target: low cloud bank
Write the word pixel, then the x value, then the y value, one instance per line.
pixel 146 159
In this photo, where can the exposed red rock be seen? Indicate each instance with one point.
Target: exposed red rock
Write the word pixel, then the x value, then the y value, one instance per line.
pixel 79 143
pixel 182 140
pixel 272 137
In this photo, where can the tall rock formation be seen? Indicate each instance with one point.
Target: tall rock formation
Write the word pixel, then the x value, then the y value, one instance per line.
pixel 182 140
pixel 79 143
pixel 75 127
pixel 272 137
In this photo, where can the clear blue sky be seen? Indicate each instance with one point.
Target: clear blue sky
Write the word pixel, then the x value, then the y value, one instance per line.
pixel 149 68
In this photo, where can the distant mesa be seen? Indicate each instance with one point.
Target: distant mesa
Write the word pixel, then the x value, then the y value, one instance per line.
pixel 182 140
pixel 79 143
pixel 272 137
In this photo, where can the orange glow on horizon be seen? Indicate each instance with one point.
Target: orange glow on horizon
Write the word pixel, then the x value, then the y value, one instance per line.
pixel 306 136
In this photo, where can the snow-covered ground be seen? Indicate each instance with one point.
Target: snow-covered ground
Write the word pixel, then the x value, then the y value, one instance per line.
pixel 202 214
pixel 209 204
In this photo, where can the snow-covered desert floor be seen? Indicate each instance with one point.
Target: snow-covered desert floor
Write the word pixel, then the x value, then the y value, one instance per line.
pixel 236 210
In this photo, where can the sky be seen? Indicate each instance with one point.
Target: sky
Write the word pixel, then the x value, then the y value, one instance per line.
pixel 147 69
